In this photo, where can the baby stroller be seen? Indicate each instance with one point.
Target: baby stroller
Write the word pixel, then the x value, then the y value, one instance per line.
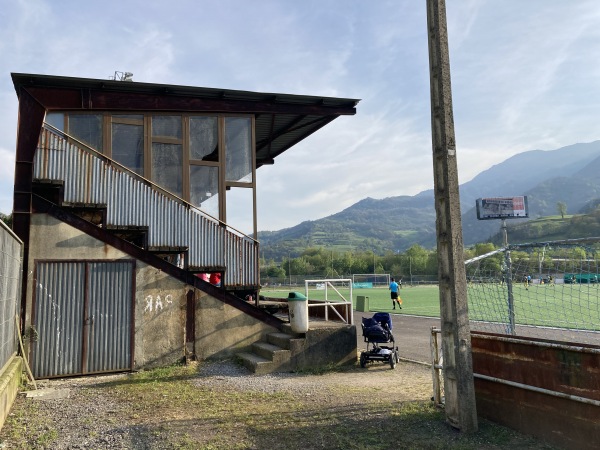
pixel 378 330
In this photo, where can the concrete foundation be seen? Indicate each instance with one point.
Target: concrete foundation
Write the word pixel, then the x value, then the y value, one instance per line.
pixel 326 344
pixel 10 380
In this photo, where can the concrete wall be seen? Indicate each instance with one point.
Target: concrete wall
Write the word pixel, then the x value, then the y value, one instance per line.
pixel 325 345
pixel 160 301
pixel 222 331
pixel 10 380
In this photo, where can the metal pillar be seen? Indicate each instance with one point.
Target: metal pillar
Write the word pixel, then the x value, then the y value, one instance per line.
pixel 459 389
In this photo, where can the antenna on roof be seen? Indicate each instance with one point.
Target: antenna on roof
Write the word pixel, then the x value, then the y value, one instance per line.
pixel 122 76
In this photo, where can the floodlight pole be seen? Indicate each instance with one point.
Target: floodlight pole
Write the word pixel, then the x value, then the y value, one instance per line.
pixel 459 387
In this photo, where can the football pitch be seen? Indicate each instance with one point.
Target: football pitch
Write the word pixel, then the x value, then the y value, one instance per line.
pixel 418 301
pixel 563 306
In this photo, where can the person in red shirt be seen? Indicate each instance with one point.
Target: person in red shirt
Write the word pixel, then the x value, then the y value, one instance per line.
pixel 215 278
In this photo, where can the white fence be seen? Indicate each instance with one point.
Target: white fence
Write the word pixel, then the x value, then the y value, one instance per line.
pixel 335 300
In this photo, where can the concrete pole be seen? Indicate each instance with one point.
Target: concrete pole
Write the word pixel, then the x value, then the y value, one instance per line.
pixel 459 389
pixel 508 264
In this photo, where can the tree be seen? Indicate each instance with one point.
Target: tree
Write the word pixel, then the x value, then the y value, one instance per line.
pixel 7 219
pixel 275 272
pixel 418 258
pixel 562 209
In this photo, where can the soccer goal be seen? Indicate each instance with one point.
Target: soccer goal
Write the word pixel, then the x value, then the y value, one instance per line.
pixel 547 290
pixel 370 280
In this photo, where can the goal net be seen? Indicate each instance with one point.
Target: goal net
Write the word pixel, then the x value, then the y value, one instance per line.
pixel 370 280
pixel 547 290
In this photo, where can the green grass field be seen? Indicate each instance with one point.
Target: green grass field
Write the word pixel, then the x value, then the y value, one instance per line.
pixel 562 306
pixel 420 301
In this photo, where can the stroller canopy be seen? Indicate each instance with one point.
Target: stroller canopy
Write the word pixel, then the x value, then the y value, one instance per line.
pixel 384 319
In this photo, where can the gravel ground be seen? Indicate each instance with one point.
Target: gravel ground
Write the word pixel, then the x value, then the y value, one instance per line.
pixel 86 418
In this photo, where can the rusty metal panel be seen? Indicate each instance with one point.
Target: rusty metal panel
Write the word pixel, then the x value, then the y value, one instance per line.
pixel 546 388
pixel 568 368
pixel 58 313
pixel 109 316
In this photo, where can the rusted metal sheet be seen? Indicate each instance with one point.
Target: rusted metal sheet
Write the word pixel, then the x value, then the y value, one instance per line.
pixel 83 315
pixel 132 201
pixel 546 388
pixel 569 368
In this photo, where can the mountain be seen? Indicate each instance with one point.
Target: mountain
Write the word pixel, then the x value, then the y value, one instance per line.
pixel 567 175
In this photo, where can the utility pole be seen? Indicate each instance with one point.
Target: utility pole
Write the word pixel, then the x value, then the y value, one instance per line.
pixel 459 388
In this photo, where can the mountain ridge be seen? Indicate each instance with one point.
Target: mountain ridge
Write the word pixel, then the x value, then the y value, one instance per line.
pixel 567 174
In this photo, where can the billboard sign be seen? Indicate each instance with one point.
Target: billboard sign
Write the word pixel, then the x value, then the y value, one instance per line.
pixel 502 208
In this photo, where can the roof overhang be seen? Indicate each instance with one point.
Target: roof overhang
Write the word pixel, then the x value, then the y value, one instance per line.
pixel 282 120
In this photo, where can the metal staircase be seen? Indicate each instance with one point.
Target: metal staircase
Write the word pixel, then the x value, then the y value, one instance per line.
pixel 133 208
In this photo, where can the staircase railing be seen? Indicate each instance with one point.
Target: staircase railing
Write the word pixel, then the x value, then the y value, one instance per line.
pixel 91 178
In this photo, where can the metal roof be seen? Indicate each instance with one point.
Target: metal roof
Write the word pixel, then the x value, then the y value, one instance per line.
pixel 282 120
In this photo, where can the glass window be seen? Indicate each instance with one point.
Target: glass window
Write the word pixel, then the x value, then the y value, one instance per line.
pixel 167 162
pixel 56 119
pixel 87 128
pixel 166 126
pixel 240 209
pixel 128 146
pixel 204 188
pixel 238 149
pixel 204 138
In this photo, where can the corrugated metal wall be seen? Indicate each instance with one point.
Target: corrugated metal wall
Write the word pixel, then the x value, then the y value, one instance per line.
pixel 10 292
pixel 110 325
pixel 83 316
pixel 132 201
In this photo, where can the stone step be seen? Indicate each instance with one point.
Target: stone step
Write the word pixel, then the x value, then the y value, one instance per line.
pixel 279 339
pixel 256 364
pixel 271 352
pixel 294 343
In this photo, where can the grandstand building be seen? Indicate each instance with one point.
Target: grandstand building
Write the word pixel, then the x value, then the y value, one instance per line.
pixel 127 196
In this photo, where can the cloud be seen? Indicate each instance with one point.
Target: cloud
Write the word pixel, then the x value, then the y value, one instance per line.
pixel 522 78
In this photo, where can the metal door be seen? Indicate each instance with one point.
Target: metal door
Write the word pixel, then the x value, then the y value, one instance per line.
pixel 83 315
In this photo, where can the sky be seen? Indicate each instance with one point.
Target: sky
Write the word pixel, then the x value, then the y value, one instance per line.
pixel 524 77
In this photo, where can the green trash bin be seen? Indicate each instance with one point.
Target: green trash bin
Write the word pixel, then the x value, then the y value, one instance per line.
pixel 362 303
pixel 298 308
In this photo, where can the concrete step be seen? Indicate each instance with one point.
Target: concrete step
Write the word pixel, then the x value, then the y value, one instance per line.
pixel 281 340
pixel 256 364
pixel 271 352
pixel 294 343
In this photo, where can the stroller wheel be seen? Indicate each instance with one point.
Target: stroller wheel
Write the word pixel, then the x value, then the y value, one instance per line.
pixel 393 360
pixel 363 360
